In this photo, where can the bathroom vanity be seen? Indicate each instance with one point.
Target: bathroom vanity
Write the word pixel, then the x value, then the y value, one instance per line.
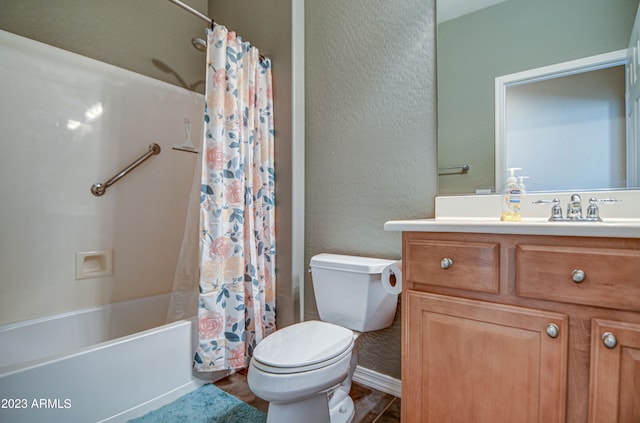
pixel 532 321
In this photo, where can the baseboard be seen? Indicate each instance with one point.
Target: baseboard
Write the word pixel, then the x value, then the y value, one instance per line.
pixel 378 381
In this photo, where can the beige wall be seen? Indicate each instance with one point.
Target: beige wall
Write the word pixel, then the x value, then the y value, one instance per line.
pixel 370 136
pixel 150 37
pixel 266 24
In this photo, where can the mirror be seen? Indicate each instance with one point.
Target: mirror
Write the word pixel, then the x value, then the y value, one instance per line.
pixel 566 123
pixel 480 40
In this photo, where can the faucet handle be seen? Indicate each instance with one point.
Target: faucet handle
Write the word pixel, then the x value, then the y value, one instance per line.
pixel 593 213
pixel 546 201
pixel 593 200
pixel 556 210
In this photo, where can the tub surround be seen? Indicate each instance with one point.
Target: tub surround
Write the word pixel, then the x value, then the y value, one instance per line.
pixel 485 300
pixel 94 119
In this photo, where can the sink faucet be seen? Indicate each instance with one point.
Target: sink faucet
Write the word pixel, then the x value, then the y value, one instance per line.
pixel 574 208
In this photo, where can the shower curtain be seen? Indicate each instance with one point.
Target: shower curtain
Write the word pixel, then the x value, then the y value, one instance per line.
pixel 236 307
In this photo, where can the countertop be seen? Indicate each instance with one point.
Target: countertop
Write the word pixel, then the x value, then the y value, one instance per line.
pixel 480 214
pixel 613 228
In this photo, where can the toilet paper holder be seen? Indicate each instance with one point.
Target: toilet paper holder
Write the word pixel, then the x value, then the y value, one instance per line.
pixel 392 278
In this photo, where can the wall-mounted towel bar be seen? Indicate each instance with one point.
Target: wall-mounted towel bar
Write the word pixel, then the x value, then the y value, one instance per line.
pixel 454 170
pixel 100 188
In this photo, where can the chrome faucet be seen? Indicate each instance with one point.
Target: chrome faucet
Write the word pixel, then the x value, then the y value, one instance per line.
pixel 574 209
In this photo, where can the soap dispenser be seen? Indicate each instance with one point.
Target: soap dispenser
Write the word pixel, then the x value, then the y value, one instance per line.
pixel 521 183
pixel 511 196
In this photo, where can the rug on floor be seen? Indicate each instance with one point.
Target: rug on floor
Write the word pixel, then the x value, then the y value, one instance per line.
pixel 207 404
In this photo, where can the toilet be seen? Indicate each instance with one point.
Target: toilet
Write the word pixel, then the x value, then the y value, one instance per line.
pixel 304 370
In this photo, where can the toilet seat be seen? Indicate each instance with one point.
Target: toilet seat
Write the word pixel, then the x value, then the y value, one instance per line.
pixel 303 347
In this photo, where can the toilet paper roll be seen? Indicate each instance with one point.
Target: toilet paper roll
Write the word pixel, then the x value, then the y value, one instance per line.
pixel 392 278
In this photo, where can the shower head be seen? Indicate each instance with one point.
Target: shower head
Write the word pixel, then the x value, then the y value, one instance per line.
pixel 199 44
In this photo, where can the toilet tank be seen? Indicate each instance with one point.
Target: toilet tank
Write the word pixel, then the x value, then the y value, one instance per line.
pixel 349 292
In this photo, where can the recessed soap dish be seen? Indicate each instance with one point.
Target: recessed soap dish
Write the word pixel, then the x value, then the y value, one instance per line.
pixel 94 264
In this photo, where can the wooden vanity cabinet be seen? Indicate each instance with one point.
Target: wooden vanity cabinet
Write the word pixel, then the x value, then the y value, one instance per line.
pixel 615 372
pixel 477 361
pixel 510 328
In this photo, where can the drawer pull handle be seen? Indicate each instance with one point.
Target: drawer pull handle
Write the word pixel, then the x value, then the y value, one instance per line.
pixel 609 340
pixel 553 330
pixel 578 275
pixel 446 263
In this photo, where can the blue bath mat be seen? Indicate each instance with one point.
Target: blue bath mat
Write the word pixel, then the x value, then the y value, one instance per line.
pixel 207 404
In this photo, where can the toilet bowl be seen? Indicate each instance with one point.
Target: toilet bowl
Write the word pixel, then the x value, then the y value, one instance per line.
pixel 297 369
pixel 305 369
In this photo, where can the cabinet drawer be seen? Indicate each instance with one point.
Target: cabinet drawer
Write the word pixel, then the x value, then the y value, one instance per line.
pixel 474 265
pixel 611 277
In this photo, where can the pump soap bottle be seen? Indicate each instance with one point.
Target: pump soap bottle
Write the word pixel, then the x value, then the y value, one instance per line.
pixel 521 182
pixel 511 196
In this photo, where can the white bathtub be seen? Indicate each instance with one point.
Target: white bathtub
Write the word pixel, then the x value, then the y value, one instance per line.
pixel 105 364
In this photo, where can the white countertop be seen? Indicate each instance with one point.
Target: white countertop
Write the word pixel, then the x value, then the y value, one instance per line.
pixel 481 214
pixel 615 228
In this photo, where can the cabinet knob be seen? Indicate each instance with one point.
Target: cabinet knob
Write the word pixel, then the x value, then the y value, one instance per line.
pixel 609 340
pixel 446 263
pixel 578 275
pixel 553 330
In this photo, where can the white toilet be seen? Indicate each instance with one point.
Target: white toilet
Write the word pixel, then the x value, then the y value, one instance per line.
pixel 305 370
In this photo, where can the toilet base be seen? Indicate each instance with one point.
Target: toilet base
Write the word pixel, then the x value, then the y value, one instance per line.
pixel 341 408
pixel 343 412
pixel 310 410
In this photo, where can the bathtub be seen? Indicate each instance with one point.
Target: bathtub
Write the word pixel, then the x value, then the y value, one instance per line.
pixel 104 364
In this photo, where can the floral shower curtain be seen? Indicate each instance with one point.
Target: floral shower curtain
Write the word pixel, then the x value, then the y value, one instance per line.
pixel 237 234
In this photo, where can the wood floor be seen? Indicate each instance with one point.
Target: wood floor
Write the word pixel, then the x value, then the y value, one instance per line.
pixel 371 406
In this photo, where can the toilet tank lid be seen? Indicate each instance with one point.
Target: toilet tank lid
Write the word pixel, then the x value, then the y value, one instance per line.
pixel 356 264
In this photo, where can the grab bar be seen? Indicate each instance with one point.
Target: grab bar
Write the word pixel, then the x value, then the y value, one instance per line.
pixel 99 188
pixel 462 169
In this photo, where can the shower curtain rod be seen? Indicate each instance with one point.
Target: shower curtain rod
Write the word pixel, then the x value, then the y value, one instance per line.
pixel 200 15
pixel 193 11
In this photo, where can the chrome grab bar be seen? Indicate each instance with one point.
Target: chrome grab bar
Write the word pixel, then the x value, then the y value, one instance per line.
pixel 461 169
pixel 100 188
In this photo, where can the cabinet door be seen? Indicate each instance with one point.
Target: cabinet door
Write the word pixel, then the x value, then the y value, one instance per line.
pixel 472 361
pixel 614 391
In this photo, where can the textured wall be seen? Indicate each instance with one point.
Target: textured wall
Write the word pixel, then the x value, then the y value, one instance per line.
pixel 268 27
pixel 370 136
pixel 150 37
